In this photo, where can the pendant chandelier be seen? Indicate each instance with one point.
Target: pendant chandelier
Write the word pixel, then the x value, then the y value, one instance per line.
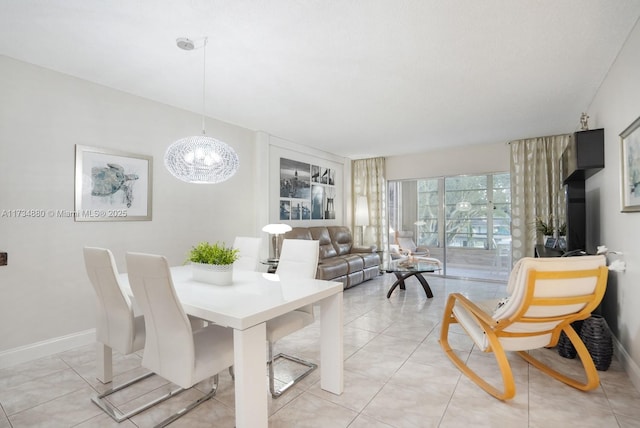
pixel 200 159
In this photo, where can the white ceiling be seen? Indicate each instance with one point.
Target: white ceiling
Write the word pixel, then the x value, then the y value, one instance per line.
pixel 358 78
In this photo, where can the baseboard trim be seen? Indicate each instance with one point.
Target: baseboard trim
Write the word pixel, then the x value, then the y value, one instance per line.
pixel 26 353
pixel 629 366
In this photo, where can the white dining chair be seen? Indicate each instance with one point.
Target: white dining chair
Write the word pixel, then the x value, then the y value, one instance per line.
pixel 173 350
pixel 248 253
pixel 117 328
pixel 298 259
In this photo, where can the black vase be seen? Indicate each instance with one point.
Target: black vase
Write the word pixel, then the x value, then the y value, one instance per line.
pixel 597 338
pixel 565 347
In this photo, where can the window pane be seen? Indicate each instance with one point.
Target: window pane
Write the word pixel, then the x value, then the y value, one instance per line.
pixel 427 216
pixel 502 181
pixel 464 220
pixel 466 182
pixel 466 211
pixel 428 185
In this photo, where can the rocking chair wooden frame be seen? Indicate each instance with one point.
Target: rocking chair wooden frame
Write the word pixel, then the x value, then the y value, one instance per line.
pixel 534 322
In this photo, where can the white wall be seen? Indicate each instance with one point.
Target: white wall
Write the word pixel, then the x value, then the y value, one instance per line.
pixel 616 105
pixel 44 292
pixel 475 159
pixel 46 302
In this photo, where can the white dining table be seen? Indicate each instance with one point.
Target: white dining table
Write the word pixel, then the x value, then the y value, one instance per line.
pixel 246 305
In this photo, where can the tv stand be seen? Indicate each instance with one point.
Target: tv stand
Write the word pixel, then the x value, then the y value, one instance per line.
pixel 542 251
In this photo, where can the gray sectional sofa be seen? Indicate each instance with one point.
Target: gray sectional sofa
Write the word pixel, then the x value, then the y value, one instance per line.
pixel 339 259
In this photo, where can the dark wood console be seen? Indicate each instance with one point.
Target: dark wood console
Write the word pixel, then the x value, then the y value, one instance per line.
pixel 542 251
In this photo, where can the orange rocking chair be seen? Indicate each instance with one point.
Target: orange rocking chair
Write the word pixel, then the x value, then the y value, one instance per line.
pixel 546 296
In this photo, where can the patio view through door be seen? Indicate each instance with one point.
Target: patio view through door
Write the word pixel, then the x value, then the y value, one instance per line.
pixel 465 221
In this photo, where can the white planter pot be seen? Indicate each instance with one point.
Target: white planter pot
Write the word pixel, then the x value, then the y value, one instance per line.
pixel 545 238
pixel 213 274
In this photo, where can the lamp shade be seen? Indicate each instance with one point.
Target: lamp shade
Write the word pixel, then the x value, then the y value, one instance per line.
pixel 201 159
pixel 362 211
pixel 276 228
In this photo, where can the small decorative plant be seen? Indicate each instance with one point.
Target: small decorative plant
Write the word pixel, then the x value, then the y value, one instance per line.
pixel 545 227
pixel 213 254
pixel 562 229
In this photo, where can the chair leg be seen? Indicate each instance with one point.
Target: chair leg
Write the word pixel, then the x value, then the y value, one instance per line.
pixel 101 401
pixel 191 406
pixel 275 393
pixel 270 368
pixel 104 362
pixel 591 373
pixel 509 387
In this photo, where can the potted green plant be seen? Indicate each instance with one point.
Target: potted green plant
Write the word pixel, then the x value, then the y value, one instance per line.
pixel 545 228
pixel 562 229
pixel 213 263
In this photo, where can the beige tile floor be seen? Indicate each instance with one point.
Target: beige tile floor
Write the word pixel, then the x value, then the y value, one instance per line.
pixel 396 375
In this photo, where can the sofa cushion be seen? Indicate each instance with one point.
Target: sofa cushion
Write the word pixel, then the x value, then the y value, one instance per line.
pixel 370 259
pixel 332 268
pixel 355 278
pixel 370 273
pixel 341 238
pixel 321 234
pixel 343 279
pixel 354 261
pixel 298 233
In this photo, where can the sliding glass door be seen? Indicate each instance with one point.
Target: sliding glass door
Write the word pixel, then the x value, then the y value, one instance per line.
pixel 464 221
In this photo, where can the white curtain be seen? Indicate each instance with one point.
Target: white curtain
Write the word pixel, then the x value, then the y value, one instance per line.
pixel 369 181
pixel 536 189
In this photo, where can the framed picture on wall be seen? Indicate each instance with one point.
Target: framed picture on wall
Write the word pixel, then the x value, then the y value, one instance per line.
pixel 295 179
pixel 285 209
pixel 111 185
pixel 307 191
pixel 317 202
pixel 630 168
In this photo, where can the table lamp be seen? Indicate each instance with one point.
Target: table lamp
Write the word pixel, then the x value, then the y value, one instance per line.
pixel 362 215
pixel 276 229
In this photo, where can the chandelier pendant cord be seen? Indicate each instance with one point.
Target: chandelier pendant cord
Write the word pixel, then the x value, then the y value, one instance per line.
pixel 204 79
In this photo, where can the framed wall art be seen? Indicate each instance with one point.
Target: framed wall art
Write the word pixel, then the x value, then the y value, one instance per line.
pixel 630 168
pixel 307 191
pixel 112 185
pixel 304 188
